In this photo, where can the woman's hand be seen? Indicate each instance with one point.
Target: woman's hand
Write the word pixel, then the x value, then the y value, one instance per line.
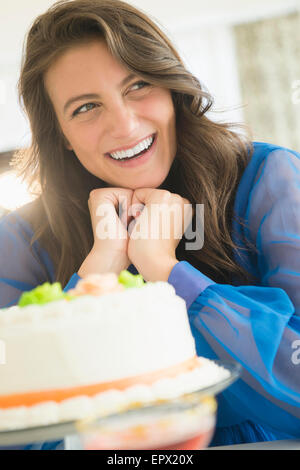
pixel 109 252
pixel 156 231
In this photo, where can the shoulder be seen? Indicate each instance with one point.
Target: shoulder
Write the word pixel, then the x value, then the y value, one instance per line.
pixel 18 221
pixel 277 176
pixel 16 241
pixel 279 170
pixel 18 226
pixel 271 155
pixel 268 163
pixel 274 197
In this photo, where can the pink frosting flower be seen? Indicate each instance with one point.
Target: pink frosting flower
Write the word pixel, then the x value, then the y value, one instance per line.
pixel 97 284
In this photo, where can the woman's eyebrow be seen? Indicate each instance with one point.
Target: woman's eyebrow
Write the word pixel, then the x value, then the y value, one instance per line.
pixel 93 96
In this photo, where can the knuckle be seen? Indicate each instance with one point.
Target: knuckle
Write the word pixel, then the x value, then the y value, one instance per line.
pixel 165 195
pixel 177 198
pixel 185 201
pixel 95 193
pixel 92 193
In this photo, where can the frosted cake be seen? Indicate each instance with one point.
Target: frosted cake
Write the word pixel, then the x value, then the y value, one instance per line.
pixel 110 343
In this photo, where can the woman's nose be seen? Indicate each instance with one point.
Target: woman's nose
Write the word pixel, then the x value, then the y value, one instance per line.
pixel 122 121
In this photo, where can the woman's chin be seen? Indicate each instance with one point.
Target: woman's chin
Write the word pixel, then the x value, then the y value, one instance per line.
pixel 155 184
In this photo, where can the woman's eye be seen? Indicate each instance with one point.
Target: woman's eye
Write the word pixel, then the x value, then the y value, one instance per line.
pixel 90 106
pixel 140 84
pixel 84 109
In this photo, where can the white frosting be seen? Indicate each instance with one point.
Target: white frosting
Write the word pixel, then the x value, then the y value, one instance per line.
pixel 113 401
pixel 91 340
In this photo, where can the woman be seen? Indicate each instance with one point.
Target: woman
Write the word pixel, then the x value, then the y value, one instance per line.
pixel 98 78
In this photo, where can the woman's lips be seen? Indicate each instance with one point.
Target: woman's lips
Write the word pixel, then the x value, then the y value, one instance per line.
pixel 136 161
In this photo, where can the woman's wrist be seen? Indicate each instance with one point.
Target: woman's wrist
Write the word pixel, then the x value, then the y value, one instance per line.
pixel 159 270
pixel 98 263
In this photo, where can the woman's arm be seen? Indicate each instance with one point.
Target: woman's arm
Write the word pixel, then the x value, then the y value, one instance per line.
pixel 259 326
pixel 21 268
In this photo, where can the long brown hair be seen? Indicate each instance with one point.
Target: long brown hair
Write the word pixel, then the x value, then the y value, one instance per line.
pixel 210 156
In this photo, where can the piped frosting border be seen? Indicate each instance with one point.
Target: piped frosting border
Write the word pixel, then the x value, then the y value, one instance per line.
pixel 204 373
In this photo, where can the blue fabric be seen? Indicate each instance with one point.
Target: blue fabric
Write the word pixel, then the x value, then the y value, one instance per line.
pixel 187 282
pixel 72 282
pixel 257 325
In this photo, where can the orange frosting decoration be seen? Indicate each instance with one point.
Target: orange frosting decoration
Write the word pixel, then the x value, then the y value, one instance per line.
pixel 59 395
pixel 97 284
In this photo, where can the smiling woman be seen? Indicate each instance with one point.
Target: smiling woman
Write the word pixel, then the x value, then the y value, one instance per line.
pixel 129 84
pixel 118 121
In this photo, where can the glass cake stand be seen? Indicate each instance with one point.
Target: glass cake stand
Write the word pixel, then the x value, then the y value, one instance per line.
pixel 183 423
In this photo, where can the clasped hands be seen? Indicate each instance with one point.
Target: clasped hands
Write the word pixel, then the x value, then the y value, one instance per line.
pixel 146 233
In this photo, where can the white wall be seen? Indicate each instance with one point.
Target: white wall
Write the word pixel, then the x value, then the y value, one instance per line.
pixel 183 14
pixel 201 30
pixel 15 19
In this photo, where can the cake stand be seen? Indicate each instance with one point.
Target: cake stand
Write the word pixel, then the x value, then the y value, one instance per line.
pixel 188 412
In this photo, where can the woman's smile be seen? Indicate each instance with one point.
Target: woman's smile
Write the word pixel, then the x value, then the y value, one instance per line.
pixel 140 158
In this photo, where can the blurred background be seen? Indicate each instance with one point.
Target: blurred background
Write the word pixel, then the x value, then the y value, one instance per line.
pixel 245 52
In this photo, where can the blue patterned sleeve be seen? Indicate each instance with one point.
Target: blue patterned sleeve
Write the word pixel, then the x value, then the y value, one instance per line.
pixel 21 268
pixel 259 325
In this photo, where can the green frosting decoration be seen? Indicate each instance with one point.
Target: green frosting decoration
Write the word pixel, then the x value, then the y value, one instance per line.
pixel 43 294
pixel 130 280
pixel 49 292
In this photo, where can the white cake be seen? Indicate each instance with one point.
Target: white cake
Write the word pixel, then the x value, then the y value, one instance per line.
pixel 66 360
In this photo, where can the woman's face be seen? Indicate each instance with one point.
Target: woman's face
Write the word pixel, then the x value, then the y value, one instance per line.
pixel 103 109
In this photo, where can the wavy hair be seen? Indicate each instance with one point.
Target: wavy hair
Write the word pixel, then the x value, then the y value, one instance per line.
pixel 210 158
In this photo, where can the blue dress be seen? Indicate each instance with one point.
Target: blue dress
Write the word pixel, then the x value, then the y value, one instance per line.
pixel 256 325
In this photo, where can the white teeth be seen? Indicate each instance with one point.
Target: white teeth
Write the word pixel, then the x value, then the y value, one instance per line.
pixel 133 151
